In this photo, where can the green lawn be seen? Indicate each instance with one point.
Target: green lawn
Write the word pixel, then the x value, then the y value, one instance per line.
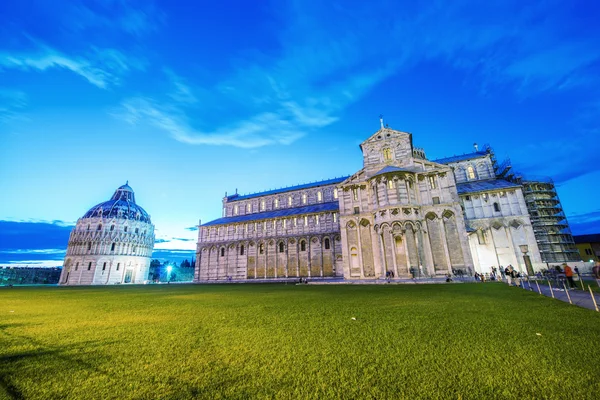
pixel 467 341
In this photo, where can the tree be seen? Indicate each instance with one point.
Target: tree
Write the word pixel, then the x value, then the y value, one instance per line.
pixel 154 263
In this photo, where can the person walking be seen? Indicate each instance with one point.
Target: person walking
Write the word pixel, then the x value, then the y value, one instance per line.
pixel 569 275
pixel 514 274
pixel 508 274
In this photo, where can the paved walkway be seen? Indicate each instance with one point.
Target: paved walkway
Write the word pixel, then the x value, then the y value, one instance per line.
pixel 581 298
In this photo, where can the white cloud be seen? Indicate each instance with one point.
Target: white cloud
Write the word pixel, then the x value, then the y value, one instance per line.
pixel 326 64
pixel 100 67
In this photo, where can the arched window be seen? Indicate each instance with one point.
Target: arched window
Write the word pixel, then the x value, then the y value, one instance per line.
pixel 262 205
pixel 137 230
pixel 222 251
pixel 241 250
pixel 235 210
pixel 303 245
pixel 112 228
pixel 387 155
pixel 112 247
pixel 249 208
pixel 470 172
pixel 261 248
pixel 76 266
pixel 89 266
pixel 89 246
pixel 304 198
pixel 355 194
pixel 496 207
pixel 125 230
pixel 104 267
pixel 327 244
pixel 99 227
pixel 281 247
pixel 390 184
pixel 335 193
pixel 276 203
pixel 289 200
pixel 118 265
pixel 319 196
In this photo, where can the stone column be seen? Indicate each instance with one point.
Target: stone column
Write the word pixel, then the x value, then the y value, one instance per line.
pixel 393 245
pixel 427 250
pixel 377 254
pixel 405 242
pixel 445 243
pixel 359 240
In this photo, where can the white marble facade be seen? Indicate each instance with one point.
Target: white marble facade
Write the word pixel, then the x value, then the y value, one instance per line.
pixel 111 244
pixel 401 213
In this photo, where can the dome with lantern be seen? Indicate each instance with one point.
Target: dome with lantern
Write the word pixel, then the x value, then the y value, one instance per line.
pixel 111 244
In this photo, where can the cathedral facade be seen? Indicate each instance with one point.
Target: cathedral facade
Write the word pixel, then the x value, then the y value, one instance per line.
pixel 401 214
pixel 111 244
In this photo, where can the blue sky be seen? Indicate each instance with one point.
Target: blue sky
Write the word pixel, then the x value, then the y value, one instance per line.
pixel 187 100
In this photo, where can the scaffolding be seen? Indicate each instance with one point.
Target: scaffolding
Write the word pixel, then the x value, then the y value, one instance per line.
pixel 548 219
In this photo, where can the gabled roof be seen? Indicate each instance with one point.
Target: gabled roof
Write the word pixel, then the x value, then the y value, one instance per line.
pixel 462 157
pixel 484 186
pixel 280 213
pixel 385 133
pixel 237 197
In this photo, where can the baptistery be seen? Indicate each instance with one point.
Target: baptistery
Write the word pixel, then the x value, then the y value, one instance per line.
pixel 111 244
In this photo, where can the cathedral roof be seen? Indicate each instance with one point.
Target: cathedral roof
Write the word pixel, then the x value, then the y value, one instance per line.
pixel 391 168
pixel 121 205
pixel 462 157
pixel 280 213
pixel 483 186
pixel 237 197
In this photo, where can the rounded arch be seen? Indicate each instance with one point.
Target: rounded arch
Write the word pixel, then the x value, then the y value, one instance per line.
pixel 431 215
pixel 409 225
pixel 397 225
pixel 384 225
pixel 302 244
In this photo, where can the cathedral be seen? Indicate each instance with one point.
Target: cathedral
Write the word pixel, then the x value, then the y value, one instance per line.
pixel 111 244
pixel 401 214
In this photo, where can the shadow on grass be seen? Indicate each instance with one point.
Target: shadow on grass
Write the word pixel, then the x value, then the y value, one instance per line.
pixel 5 382
pixel 11 363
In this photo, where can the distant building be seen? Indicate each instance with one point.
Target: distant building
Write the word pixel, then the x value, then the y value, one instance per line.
pixel 588 246
pixel 112 243
pixel 401 213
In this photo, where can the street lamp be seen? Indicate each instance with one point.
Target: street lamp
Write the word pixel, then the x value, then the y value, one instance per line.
pixel 525 249
pixel 169 269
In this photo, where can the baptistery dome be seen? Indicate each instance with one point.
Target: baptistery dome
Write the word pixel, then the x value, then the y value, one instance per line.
pixel 112 243
pixel 121 205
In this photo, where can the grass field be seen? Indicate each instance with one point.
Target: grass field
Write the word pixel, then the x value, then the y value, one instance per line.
pixel 468 341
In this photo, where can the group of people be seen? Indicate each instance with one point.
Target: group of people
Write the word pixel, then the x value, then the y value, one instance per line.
pixel 389 275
